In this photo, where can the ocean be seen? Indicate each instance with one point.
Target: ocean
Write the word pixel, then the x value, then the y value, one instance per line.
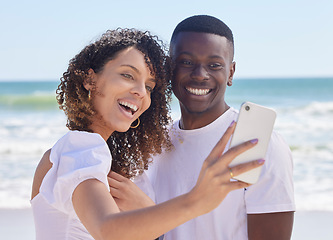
pixel 30 123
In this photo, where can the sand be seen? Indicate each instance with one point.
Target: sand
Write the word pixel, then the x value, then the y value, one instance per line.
pixel 17 224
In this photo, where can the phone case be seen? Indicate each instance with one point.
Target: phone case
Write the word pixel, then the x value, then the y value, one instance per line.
pixel 254 121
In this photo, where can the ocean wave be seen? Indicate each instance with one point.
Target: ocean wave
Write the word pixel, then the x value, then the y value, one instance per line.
pixel 26 135
pixel 311 108
pixel 308 148
pixel 316 108
pixel 36 101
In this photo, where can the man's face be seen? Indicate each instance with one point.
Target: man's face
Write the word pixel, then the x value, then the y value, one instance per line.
pixel 203 68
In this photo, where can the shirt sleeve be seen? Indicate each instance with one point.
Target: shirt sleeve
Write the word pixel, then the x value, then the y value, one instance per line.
pixel 274 191
pixel 76 157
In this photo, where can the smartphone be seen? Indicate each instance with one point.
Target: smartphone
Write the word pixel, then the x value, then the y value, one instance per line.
pixel 254 121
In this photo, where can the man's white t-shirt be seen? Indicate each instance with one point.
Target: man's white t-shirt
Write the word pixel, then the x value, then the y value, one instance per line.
pixel 176 172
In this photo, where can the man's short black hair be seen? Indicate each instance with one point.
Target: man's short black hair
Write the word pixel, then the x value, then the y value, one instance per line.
pixel 204 24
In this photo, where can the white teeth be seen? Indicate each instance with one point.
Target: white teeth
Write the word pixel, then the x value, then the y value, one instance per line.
pixel 198 92
pixel 129 105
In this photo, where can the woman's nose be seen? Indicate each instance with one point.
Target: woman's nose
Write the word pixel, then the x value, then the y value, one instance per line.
pixel 139 89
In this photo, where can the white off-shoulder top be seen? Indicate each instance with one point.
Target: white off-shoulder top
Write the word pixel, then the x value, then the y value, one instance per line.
pixel 76 157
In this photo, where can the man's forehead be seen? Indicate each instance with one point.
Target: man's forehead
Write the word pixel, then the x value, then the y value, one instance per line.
pixel 199 41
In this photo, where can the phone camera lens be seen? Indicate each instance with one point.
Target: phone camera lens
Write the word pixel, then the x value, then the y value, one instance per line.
pixel 247 108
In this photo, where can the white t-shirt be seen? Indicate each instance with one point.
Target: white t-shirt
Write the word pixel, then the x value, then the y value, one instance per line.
pixel 176 172
pixel 76 157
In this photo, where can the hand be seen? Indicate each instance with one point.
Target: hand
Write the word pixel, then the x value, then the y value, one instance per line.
pixel 127 195
pixel 214 183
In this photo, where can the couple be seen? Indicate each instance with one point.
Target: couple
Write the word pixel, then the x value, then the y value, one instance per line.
pixel 115 94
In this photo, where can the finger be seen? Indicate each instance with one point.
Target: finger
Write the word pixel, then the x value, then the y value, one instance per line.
pixel 116 176
pixel 244 167
pixel 237 150
pixel 238 185
pixel 115 192
pixel 220 146
pixel 113 183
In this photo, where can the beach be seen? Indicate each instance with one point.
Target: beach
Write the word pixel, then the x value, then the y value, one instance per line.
pixel 31 123
pixel 17 224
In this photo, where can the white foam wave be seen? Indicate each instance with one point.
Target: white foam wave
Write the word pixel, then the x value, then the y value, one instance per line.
pixel 16 193
pixel 44 93
pixel 308 129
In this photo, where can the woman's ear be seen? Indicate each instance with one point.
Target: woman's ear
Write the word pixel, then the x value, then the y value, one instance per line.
pixel 88 82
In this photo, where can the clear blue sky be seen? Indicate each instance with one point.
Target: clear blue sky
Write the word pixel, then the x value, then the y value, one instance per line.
pixel 283 38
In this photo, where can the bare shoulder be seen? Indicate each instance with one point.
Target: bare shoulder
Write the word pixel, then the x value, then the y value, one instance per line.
pixel 43 167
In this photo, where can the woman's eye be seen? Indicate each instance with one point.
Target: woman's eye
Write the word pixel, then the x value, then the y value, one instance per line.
pixel 150 89
pixel 126 75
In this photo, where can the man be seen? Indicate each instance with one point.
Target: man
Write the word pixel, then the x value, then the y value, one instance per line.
pixel 202 49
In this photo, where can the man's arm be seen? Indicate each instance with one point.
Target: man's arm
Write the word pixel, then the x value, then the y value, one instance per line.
pixel 272 226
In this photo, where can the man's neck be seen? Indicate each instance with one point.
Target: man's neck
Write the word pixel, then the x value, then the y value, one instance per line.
pixel 194 121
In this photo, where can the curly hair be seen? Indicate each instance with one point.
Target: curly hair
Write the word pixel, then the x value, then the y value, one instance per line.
pixel 132 150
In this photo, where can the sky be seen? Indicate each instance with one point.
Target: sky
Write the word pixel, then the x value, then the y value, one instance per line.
pixel 285 38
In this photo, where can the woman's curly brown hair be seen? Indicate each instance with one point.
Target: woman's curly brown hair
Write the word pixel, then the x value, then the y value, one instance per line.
pixel 132 150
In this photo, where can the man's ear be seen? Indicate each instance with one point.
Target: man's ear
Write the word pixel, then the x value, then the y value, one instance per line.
pixel 231 73
pixel 88 82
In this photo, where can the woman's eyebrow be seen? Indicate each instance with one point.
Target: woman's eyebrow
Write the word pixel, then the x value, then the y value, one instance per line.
pixel 138 71
pixel 131 66
pixel 153 80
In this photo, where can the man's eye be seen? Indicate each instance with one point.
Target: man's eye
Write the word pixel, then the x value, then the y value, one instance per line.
pixel 186 62
pixel 215 66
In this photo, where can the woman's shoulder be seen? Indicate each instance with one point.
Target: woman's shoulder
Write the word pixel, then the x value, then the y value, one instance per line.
pixel 81 138
pixel 76 157
pixel 43 167
pixel 78 149
pixel 79 142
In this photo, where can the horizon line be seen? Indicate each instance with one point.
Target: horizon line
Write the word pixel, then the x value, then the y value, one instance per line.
pixel 239 78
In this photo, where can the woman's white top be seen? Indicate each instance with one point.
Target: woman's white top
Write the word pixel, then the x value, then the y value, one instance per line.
pixel 76 157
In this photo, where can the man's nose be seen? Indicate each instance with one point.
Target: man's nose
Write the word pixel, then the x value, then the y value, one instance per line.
pixel 199 73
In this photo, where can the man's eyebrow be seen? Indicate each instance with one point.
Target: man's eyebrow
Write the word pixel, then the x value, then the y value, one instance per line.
pixel 186 53
pixel 216 56
pixel 190 54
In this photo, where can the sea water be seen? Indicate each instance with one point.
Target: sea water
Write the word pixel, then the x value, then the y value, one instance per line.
pixel 30 123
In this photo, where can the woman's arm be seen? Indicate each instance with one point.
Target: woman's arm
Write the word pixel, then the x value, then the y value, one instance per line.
pixel 99 213
pixel 41 170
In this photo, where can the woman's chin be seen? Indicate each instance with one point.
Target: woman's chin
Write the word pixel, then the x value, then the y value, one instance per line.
pixel 123 129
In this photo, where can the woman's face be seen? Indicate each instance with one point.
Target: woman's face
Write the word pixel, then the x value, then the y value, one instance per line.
pixel 122 92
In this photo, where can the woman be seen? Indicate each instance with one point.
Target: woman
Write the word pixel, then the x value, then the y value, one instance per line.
pixel 117 90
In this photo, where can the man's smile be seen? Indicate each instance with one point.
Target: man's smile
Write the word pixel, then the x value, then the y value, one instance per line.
pixel 198 91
